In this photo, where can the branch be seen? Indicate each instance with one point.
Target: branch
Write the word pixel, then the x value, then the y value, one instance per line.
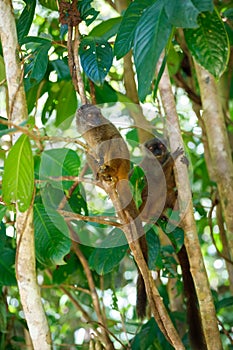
pixel 94 295
pixel 26 278
pixel 191 241
pixel 133 229
pixel 98 219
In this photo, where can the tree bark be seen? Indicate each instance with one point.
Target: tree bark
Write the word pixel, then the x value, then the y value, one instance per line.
pixel 220 151
pixel 25 257
pixel 197 268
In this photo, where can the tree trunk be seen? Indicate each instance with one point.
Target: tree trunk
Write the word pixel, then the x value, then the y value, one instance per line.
pixel 25 257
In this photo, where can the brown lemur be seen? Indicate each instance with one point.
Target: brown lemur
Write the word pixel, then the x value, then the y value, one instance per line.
pixel 157 148
pixel 109 159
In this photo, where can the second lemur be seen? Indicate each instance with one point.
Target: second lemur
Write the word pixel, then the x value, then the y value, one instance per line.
pixel 158 149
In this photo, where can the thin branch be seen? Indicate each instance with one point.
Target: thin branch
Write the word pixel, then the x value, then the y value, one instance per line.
pixel 79 78
pixel 94 295
pixel 36 137
pixel 98 219
pixel 80 289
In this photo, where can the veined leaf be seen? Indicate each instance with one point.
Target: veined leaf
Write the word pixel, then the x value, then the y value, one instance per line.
pixel 209 43
pixel 52 239
pixel 36 68
pixel 125 36
pixel 182 13
pixel 18 176
pixel 96 58
pixel 104 260
pixel 25 20
pixel 151 36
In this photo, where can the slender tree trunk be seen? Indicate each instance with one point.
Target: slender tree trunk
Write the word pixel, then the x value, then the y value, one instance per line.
pixel 220 151
pixel 25 257
pixel 197 268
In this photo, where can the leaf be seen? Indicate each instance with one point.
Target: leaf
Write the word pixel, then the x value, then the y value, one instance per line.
pixel 3 314
pixel 96 58
pixel 61 68
pixel 2 69
pixel 25 20
pixel 106 29
pixel 50 4
pixel 87 13
pixel 224 303
pixel 181 13
pixel 103 260
pixel 125 36
pixel 150 337
pixel 174 233
pixel 209 43
pixel 52 239
pixel 61 99
pixel 2 211
pixel 151 36
pixel 153 247
pixel 105 93
pixel 7 273
pixel 18 176
pixel 204 5
pixel 38 62
pixel 59 162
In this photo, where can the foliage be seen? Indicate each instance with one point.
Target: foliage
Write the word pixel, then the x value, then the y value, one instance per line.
pixel 42 167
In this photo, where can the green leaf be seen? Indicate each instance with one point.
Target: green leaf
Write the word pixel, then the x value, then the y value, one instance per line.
pixel 224 303
pixel 137 179
pixel 105 93
pixel 150 337
pixel 204 5
pixel 126 33
pixel 87 13
pixel 3 314
pixel 61 99
pixel 153 247
pixel 7 273
pixel 18 176
pixel 2 211
pixel 181 13
pixel 25 20
pixel 96 58
pixel 106 29
pixel 59 162
pixel 2 69
pixel 174 233
pixel 104 260
pixel 50 4
pixel 152 33
pixel 61 68
pixel 209 43
pixel 38 62
pixel 52 239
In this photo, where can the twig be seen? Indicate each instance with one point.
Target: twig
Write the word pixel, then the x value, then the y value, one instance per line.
pixel 104 220
pixel 36 137
pixel 78 74
pixel 80 289
pixel 225 331
pixel 94 295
